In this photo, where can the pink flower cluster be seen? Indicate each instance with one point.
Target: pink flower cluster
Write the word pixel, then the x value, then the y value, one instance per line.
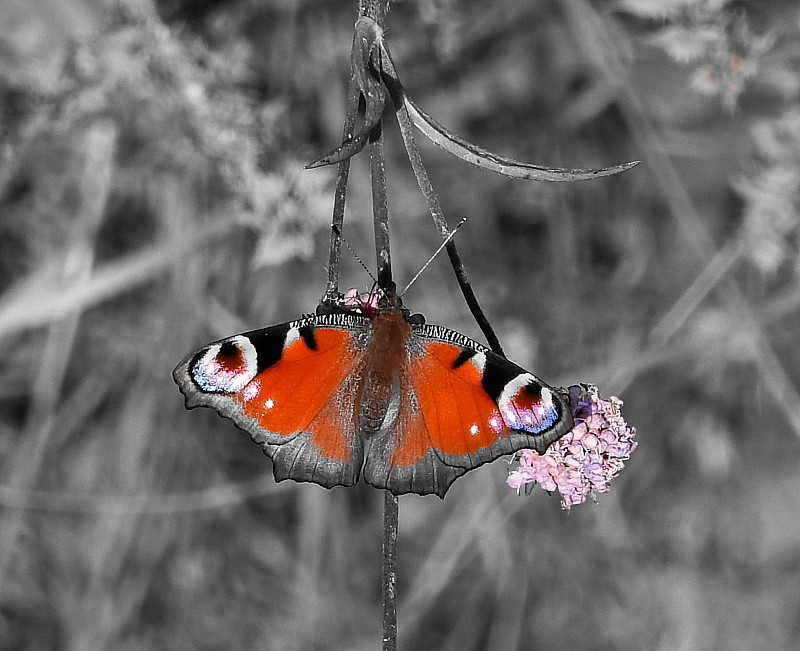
pixel 585 459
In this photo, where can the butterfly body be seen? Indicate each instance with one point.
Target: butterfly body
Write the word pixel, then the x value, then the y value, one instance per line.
pixel 411 406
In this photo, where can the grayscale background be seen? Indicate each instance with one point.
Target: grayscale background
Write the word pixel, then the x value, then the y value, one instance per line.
pixel 153 198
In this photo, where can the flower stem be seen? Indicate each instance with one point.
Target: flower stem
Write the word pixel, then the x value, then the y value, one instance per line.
pixel 389 571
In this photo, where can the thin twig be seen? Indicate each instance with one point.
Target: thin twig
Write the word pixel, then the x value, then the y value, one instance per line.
pixel 340 193
pixel 389 571
pixel 380 208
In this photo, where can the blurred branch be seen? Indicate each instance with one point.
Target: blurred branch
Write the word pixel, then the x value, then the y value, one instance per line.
pixel 225 495
pixel 93 183
pixel 705 282
pixel 41 299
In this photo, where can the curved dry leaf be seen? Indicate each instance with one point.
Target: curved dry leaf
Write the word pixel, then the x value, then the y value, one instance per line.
pixel 475 155
pixel 478 156
pixel 347 149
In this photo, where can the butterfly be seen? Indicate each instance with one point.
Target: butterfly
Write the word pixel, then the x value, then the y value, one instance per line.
pixel 364 387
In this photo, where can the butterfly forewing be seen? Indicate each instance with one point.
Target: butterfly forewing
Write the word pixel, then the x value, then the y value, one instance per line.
pixel 299 402
pixel 510 408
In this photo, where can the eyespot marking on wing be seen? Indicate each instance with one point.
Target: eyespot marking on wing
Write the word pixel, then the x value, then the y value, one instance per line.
pixel 527 405
pixel 225 367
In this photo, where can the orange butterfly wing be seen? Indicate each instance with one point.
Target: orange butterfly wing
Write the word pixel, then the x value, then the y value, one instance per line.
pixel 293 388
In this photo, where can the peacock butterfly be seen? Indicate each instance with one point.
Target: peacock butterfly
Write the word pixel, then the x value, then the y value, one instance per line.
pixel 366 387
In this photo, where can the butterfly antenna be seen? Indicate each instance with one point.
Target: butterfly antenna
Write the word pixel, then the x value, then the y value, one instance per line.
pixel 338 232
pixel 435 253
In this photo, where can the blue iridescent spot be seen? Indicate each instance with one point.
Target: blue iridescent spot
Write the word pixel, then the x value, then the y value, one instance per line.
pixel 533 419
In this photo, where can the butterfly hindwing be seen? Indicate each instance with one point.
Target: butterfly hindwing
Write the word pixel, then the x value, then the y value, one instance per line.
pixel 291 388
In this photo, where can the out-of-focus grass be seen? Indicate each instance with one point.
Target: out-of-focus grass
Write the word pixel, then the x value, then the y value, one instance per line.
pixel 152 199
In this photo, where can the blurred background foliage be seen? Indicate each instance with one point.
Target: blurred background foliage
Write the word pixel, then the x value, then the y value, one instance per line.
pixel 152 198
